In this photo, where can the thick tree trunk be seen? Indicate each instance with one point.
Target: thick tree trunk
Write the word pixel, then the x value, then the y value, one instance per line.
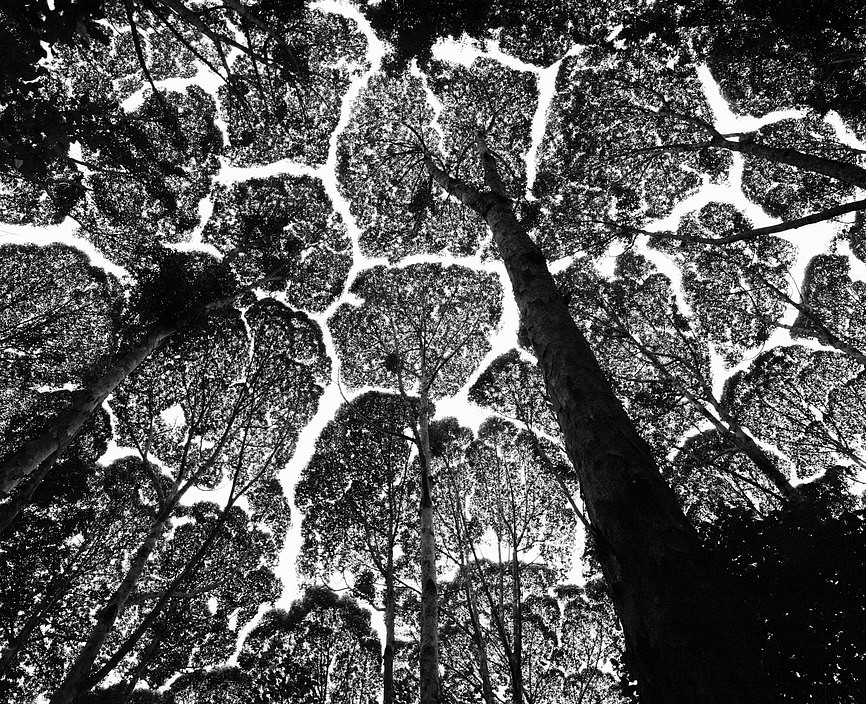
pixel 686 635
pixel 77 678
pixel 429 650
pixel 388 656
pixel 10 510
pixel 839 170
pixel 68 424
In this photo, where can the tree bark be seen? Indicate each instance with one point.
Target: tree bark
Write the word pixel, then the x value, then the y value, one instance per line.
pixel 77 677
pixel 839 170
pixel 429 651
pixel 68 424
pixel 517 629
pixel 33 622
pixel 687 638
pixel 388 655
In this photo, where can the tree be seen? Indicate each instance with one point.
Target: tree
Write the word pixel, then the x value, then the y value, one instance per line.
pixel 501 528
pixel 356 495
pixel 321 650
pixel 240 398
pixel 421 335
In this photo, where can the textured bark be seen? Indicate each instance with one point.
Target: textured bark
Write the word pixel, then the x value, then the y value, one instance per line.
pixel 686 635
pixel 839 170
pixel 170 592
pixel 516 660
pixel 477 636
pixel 68 424
pixel 388 655
pixel 429 647
pixel 76 679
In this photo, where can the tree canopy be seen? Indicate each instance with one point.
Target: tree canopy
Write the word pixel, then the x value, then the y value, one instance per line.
pixel 457 351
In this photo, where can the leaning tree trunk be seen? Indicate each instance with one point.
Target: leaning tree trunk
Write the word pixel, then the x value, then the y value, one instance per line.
pixel 686 636
pixel 67 425
pixel 76 679
pixel 428 655
pixel 63 429
pixel 839 170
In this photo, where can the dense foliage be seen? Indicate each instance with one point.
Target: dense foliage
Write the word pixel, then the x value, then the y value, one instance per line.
pixel 273 427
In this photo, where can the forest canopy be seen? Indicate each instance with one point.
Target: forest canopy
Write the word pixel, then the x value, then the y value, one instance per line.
pixel 441 352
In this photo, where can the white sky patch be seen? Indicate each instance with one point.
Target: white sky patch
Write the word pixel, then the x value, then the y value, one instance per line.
pixel 114 451
pixel 844 133
pixel 433 103
pixel 332 398
pixel 546 87
pixel 329 403
pixel 726 121
pixel 245 631
pixel 173 416
pixel 64 233
pixel 229 175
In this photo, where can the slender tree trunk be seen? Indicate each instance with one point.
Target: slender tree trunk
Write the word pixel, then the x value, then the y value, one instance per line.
pixel 388 656
pixel 63 429
pixel 839 170
pixel 429 651
pixel 77 677
pixel 168 593
pixel 687 638
pixel 67 425
pixel 477 636
pixel 36 618
pixel 517 629
pixel 10 510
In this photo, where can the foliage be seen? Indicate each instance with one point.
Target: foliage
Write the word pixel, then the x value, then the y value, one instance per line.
pixel 801 572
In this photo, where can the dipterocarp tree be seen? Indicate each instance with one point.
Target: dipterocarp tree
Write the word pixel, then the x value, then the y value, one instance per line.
pixel 420 331
pixel 359 494
pixel 218 204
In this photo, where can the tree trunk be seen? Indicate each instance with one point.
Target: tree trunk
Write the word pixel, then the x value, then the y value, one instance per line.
pixel 429 651
pixel 77 677
pixel 388 656
pixel 168 593
pixel 35 620
pixel 477 636
pixel 516 660
pixel 67 425
pixel 686 635
pixel 839 170
pixel 10 510
pixel 517 629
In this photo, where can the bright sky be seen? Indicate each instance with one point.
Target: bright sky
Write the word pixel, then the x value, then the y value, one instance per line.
pixel 809 241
